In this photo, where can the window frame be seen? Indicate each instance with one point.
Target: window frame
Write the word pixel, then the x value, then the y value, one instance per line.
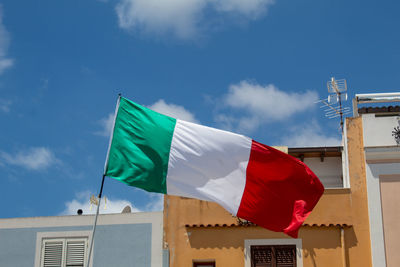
pixel 204 263
pixel 42 237
pixel 273 242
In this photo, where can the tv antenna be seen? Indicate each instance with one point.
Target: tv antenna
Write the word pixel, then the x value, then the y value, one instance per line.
pixel 337 94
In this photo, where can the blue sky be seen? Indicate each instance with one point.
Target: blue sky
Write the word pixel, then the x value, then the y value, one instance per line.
pixel 254 67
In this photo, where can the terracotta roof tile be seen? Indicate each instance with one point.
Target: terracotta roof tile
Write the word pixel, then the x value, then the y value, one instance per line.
pixel 251 224
pixel 384 109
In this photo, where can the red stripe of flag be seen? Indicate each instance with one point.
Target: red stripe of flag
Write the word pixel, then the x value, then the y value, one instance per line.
pixel 280 190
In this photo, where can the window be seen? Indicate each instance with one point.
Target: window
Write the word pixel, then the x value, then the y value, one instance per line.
pixel 63 252
pixel 62 249
pixel 273 256
pixel 273 252
pixel 204 264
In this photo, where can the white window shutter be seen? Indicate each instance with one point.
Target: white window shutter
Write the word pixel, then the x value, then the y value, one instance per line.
pixel 75 253
pixel 52 254
pixel 64 252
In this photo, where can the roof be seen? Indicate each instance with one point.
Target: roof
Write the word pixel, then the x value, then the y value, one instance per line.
pixel 252 225
pixel 386 110
pixel 332 151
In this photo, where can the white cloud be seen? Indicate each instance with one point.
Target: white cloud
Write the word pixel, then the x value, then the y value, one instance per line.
pixel 160 106
pixel 111 205
pixel 250 8
pixel 183 18
pixel 5 105
pixel 309 135
pixel 225 122
pixel 268 101
pixel 35 158
pixel 82 201
pixel 262 104
pixel 4 43
pixel 5 63
pixel 106 125
pixel 161 16
pixel 156 202
pixel 173 110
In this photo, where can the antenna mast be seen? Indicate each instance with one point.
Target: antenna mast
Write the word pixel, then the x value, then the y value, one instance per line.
pixel 337 94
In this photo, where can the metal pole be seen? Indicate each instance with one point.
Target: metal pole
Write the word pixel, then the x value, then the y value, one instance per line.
pixel 102 183
pixel 341 111
pixel 95 222
pixel 342 241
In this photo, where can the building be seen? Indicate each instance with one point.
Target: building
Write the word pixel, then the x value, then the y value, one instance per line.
pixel 377 126
pixel 127 239
pixel 200 233
pixel 354 224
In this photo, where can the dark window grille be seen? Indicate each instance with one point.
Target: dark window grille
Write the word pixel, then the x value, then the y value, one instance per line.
pixel 204 264
pixel 273 256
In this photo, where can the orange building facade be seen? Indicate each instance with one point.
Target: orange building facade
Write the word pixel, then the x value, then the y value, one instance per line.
pixel 344 229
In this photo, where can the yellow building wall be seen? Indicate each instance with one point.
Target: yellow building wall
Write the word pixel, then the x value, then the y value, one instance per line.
pixel 190 231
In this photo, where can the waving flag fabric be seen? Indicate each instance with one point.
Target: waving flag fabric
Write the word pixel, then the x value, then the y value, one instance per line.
pixel 252 181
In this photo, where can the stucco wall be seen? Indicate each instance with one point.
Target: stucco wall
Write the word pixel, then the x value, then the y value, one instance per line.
pixel 378 130
pixel 116 245
pixel 382 156
pixel 321 244
pixel 360 254
pixel 390 189
pixel 329 171
pixel 120 240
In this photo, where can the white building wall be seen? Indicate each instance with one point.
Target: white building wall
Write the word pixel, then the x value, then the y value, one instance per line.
pixel 382 156
pixel 378 130
pixel 328 171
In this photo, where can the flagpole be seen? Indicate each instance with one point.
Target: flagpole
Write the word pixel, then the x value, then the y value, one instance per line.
pixel 102 183
pixel 95 221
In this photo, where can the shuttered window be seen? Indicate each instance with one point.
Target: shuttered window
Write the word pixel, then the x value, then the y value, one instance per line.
pixel 53 251
pixel 273 256
pixel 75 253
pixel 63 252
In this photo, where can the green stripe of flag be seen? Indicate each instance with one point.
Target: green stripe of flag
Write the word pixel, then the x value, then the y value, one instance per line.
pixel 140 147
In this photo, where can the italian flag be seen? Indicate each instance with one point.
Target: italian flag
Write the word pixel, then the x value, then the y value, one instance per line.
pixel 250 180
